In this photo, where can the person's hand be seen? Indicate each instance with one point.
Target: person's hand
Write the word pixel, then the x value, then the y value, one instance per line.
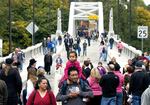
pixel 73 94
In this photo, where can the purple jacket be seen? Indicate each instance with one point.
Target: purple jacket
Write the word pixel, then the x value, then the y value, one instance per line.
pixel 101 70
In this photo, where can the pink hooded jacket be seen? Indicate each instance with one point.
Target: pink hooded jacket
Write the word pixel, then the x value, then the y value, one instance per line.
pixel 68 65
pixel 94 84
pixel 120 45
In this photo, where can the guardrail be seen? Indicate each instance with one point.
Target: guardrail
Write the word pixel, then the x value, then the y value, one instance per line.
pixel 128 50
pixel 29 52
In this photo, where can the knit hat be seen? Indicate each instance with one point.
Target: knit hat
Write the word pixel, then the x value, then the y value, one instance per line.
pixel 32 61
pixel 9 61
pixel 139 64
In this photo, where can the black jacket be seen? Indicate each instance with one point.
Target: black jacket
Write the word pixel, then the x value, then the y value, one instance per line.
pixel 13 82
pixel 109 82
pixel 48 59
pixel 3 93
pixel 138 83
pixel 86 72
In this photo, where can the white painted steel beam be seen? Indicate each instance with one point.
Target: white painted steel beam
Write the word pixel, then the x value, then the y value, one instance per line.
pixel 81 11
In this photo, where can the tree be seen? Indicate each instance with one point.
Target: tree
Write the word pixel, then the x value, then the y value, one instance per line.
pixel 22 16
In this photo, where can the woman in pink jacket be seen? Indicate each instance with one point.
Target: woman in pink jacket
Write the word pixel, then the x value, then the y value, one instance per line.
pixel 94 84
pixel 119 100
pixel 120 47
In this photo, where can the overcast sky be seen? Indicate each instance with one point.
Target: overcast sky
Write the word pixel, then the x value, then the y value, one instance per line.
pixel 147 2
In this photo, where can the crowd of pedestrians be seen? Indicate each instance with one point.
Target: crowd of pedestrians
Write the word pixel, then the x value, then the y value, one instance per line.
pixel 82 84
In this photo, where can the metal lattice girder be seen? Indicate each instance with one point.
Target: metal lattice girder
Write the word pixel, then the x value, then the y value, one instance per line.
pixel 82 10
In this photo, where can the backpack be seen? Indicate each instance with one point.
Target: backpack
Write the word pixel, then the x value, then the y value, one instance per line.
pixel 103 50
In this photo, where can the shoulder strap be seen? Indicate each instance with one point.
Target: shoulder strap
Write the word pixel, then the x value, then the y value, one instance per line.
pixel 64 87
pixel 82 83
pixel 34 97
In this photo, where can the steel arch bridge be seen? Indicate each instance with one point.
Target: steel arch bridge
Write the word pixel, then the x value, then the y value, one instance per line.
pixel 82 11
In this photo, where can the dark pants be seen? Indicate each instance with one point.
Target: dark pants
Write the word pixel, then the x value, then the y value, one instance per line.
pixel 12 101
pixel 96 100
pixel 47 67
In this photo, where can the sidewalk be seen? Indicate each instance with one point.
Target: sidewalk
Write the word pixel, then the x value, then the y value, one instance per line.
pixel 122 60
pixel 40 62
pixel 92 53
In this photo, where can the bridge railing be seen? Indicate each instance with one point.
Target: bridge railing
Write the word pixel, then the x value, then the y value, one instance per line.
pixel 30 52
pixel 128 50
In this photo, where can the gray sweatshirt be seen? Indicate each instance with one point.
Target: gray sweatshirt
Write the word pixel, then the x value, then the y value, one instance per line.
pixel 79 100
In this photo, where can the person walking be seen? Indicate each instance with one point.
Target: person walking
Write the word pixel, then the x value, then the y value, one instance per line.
pixel 50 45
pixel 85 48
pixel 93 81
pixel 79 49
pixel 145 97
pixel 16 57
pixel 54 41
pixel 3 93
pixel 111 42
pixel 48 60
pixel 21 59
pixel 109 84
pixel 119 88
pixel 13 81
pixel 120 47
pixel 32 68
pixel 89 39
pixel 101 69
pixel 42 95
pixel 59 39
pixel 74 90
pixel 138 77
pixel 59 62
pixel 86 69
pixel 44 45
pixel 102 51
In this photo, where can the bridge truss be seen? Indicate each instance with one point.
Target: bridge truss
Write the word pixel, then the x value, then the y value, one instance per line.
pixel 82 11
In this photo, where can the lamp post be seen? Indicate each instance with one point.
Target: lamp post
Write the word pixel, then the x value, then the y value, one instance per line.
pixel 49 17
pixel 118 17
pixel 10 27
pixel 130 19
pixel 33 17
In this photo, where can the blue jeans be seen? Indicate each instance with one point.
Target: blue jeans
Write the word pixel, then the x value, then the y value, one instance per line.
pixel 136 100
pixel 21 66
pixel 119 100
pixel 108 101
pixel 103 56
pixel 55 49
pixel 44 50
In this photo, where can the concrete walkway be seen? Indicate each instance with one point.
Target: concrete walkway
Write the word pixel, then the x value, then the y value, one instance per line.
pixel 92 53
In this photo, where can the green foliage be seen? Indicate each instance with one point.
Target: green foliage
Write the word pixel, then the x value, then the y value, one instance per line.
pixel 22 14
pixel 139 16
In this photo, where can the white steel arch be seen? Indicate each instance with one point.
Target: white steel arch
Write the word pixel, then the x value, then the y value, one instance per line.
pixel 81 11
